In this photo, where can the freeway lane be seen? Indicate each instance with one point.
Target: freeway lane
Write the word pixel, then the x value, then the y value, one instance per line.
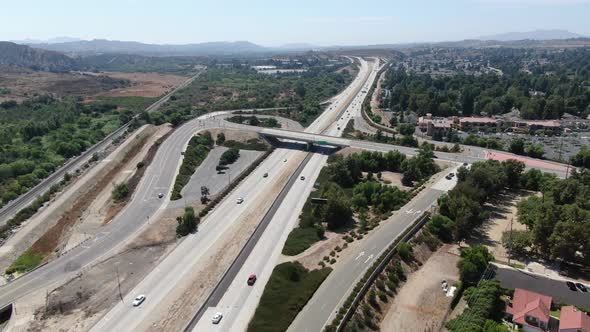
pixel 322 307
pixel 10 209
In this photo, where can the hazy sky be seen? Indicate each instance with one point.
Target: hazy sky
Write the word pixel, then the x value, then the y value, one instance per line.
pixel 272 23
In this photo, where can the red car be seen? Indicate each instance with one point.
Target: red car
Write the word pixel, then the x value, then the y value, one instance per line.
pixel 251 279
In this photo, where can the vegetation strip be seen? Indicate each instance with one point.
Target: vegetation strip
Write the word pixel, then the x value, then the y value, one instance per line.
pixel 288 290
pixel 197 150
pixel 347 310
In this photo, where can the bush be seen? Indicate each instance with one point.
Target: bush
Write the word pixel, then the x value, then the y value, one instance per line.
pixel 197 150
pixel 299 240
pixel 120 192
pixel 404 249
pixel 187 223
pixel 229 157
pixel 25 262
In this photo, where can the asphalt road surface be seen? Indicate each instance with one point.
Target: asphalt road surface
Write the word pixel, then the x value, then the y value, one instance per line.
pixel 513 278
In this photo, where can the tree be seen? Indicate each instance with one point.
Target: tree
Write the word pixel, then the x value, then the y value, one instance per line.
pixel 187 223
pixel 517 146
pixel 442 227
pixel 474 260
pixel 405 251
pixel 516 242
pixel 406 129
pixel 120 192
pixel 535 151
pixel 229 157
pixel 582 158
pixel 220 138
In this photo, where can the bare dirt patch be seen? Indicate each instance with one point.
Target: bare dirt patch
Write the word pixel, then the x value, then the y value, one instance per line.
pixel 76 305
pixel 22 84
pixel 143 84
pixel 420 304
pixel 503 212
pixel 314 254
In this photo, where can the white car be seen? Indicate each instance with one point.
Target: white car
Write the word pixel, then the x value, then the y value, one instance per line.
pixel 138 300
pixel 217 318
pixel 240 200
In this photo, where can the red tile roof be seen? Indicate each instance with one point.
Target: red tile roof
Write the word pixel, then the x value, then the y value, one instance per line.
pixel 527 303
pixel 574 319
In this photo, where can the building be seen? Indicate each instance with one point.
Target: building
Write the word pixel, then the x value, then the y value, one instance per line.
pixel 484 124
pixel 531 127
pixel 573 320
pixel 530 310
pixel 435 126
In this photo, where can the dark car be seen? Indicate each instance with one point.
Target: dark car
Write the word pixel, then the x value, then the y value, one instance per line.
pixel 251 279
pixel 581 287
pixel 571 285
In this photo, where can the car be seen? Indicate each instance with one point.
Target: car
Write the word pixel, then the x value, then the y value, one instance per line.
pixel 302 177
pixel 571 285
pixel 581 287
pixel 285 160
pixel 217 318
pixel 338 128
pixel 251 279
pixel 160 195
pixel 240 200
pixel 451 174
pixel 448 177
pixel 138 300
pixel 265 175
pixel 465 164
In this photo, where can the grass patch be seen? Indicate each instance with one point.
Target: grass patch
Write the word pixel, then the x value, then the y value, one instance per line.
pixel 299 240
pixel 25 262
pixel 556 313
pixel 251 144
pixel 289 288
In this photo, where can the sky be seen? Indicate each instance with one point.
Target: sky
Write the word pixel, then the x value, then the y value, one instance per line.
pixel 275 23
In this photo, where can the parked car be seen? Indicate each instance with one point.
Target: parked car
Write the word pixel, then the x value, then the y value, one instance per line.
pixel 160 195
pixel 138 300
pixel 251 279
pixel 581 287
pixel 217 318
pixel 240 200
pixel 265 175
pixel 302 177
pixel 571 285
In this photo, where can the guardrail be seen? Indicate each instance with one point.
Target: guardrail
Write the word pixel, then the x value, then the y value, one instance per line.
pixel 377 267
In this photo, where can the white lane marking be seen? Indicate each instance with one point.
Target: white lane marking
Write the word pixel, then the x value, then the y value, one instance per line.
pixel 360 255
pixel 369 258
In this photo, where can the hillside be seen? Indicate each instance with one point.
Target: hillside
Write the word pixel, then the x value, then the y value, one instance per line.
pixel 532 35
pixel 12 54
pixel 98 46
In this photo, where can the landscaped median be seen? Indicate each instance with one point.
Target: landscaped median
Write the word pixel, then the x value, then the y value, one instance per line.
pixel 197 150
pixel 289 288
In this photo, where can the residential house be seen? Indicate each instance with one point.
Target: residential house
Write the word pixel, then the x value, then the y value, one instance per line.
pixel 573 320
pixel 530 310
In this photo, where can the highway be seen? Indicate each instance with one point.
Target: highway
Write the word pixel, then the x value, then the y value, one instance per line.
pixel 234 298
pixel 163 284
pixel 9 210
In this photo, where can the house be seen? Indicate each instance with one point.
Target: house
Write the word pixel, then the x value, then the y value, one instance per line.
pixel 573 320
pixel 530 310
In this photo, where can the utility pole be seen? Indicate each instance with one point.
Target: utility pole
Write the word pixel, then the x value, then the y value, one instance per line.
pixel 119 284
pixel 510 243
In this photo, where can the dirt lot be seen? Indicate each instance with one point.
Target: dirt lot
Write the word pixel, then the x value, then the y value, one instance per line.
pixel 421 305
pixel 81 301
pixel 144 84
pixel 22 84
pixel 490 233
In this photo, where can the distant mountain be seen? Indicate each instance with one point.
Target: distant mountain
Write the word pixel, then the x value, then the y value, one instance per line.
pixel 532 35
pixel 98 46
pixel 13 54
pixel 46 41
pixel 299 46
